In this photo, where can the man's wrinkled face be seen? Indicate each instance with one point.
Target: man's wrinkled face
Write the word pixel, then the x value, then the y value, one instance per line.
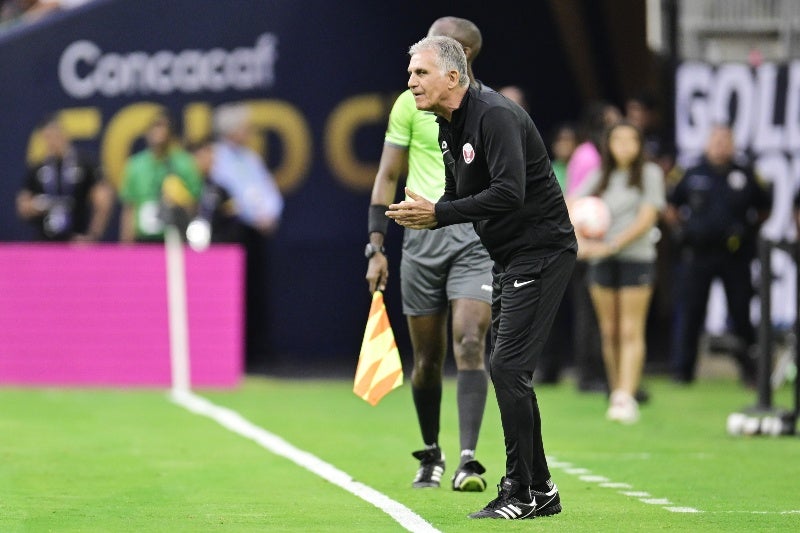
pixel 426 80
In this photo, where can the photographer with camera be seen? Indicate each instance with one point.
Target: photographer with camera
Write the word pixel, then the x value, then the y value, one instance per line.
pixel 65 195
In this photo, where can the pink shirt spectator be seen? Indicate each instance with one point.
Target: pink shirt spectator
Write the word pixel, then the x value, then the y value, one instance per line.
pixel 584 160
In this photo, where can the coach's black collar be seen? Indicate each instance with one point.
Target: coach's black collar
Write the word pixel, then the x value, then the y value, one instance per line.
pixel 459 114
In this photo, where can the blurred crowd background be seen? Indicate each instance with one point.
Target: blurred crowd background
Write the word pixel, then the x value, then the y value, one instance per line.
pixel 298 93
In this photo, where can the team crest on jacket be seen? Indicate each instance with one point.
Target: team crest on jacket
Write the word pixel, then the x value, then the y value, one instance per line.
pixel 469 153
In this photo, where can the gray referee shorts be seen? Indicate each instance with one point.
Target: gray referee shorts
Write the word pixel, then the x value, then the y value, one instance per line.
pixel 441 265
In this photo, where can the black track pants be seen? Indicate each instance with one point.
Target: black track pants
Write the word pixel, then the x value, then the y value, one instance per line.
pixel 526 295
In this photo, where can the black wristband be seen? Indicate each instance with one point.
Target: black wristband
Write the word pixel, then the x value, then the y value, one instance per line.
pixel 377 221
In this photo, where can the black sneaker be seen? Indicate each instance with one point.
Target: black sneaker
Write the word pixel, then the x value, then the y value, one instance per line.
pixel 431 468
pixel 547 503
pixel 507 505
pixel 468 477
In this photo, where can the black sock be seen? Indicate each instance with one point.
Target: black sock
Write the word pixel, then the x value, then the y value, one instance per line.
pixel 428 402
pixel 524 495
pixel 471 390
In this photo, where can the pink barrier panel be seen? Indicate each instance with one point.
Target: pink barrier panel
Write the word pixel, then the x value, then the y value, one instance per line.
pixel 97 315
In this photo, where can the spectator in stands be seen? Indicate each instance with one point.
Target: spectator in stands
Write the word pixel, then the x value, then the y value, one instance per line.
pixel 54 5
pixel 12 11
pixel 259 205
pixel 562 146
pixel 216 219
pixel 559 346
pixel 516 95
pixel 65 195
pixel 595 119
pixel 622 262
pixel 159 181
pixel 715 211
pixel 22 11
pixel 641 111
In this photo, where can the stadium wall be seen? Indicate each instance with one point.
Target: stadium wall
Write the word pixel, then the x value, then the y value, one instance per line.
pixel 97 316
pixel 320 77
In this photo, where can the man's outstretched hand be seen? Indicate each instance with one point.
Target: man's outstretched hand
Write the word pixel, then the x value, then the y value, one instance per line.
pixel 417 213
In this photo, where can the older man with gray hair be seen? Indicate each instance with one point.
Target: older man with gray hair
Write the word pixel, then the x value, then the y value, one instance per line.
pixel 242 171
pixel 498 176
pixel 259 204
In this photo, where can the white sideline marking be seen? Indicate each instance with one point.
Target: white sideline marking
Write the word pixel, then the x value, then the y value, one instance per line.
pixel 655 501
pixel 594 479
pixel 585 475
pixel 615 485
pixel 644 497
pixel 635 493
pixel 233 421
pixel 576 471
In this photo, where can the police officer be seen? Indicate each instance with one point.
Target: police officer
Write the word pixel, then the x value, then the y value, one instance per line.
pixel 715 210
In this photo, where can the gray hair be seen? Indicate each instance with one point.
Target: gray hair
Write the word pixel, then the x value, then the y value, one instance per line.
pixel 449 55
pixel 230 117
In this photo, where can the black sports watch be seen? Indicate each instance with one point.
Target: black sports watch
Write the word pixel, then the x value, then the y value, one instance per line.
pixel 371 250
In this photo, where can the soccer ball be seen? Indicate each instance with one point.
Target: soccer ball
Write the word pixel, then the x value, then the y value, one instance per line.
pixel 591 217
pixel 752 426
pixel 735 423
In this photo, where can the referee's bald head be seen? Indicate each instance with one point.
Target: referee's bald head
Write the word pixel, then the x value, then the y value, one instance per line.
pixel 462 30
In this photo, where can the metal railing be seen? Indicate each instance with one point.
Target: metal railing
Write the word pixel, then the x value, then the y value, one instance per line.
pixel 727 27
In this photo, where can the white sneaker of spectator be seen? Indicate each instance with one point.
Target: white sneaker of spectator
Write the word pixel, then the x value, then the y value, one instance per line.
pixel 623 408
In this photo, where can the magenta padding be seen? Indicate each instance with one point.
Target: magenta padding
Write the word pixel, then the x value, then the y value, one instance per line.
pixel 73 315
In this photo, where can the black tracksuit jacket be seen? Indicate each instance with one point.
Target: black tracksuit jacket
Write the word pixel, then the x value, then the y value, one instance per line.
pixel 498 176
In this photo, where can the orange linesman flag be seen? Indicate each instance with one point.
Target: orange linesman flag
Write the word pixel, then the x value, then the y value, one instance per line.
pixel 379 370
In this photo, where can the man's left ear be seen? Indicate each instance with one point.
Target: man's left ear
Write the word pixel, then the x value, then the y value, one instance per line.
pixel 453 78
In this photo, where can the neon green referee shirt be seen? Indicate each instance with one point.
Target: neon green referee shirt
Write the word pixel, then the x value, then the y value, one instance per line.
pixel 418 132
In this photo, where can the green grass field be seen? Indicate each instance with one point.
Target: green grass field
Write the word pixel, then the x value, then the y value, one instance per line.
pixel 107 460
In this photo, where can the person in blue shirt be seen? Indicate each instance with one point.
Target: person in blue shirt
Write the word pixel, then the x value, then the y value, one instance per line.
pixel 258 204
pixel 243 173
